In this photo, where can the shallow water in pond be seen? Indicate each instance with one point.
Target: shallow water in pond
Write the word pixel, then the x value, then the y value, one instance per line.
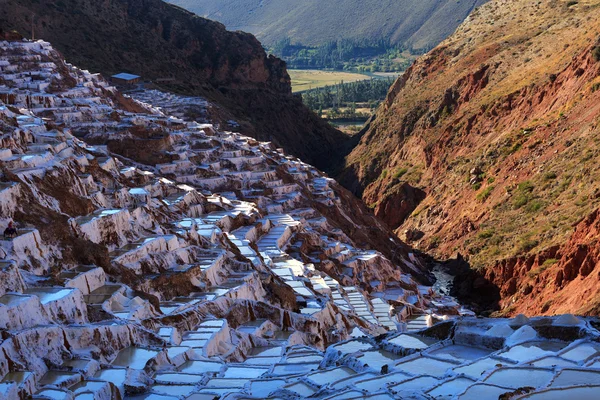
pixel 380 381
pixel 573 377
pixel 134 357
pixel 262 389
pixel 200 367
pixel 412 342
pixel 520 377
pixel 170 378
pixel 353 346
pixel 244 372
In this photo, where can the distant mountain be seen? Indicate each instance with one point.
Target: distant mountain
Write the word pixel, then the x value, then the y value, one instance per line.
pixel 416 23
pixel 200 57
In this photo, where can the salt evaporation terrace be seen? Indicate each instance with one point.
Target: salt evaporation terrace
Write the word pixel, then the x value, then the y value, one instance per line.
pixel 161 258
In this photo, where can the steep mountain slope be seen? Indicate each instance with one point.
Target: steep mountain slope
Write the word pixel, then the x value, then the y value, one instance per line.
pixel 489 147
pixel 160 41
pixel 417 23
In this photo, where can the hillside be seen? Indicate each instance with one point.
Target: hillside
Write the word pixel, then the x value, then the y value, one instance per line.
pixel 420 24
pixel 489 146
pixel 160 41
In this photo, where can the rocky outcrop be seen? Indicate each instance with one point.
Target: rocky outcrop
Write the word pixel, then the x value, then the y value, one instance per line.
pixel 557 279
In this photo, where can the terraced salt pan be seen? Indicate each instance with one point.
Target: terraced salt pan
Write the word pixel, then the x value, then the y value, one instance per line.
pixel 553 361
pixel 134 357
pixel 59 378
pixel 200 367
pixel 378 358
pixel 265 351
pixel 54 394
pixel 173 390
pixel 421 383
pixel 352 346
pixel 412 341
pixel 262 388
pixel 380 382
pixel 425 365
pixel 481 391
pixel 520 377
pixel 449 389
pixel 48 295
pixel 531 351
pixel 244 372
pixel 116 376
pixel 291 369
pixel 575 377
pixel 579 393
pixel 177 378
pixel 581 352
pixel 460 353
pixel 328 376
pixel 226 383
pixel 301 388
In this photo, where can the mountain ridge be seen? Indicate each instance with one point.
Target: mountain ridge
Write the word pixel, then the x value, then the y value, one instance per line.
pixel 417 24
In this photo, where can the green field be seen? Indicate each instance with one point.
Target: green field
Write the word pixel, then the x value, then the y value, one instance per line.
pixel 305 79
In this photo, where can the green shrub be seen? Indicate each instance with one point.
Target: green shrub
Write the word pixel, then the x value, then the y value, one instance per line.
pixel 400 173
pixel 596 53
pixel 485 193
pixel 488 233
pixel 548 176
pixel 520 200
pixel 535 206
pixel 526 186
pixel 549 262
pixel 527 244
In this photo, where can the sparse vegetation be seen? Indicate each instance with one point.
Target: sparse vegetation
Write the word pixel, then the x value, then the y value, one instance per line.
pixel 485 193
pixel 596 53
pixel 400 173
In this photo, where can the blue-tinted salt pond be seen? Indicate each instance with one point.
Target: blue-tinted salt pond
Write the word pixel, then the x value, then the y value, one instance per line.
pixel 425 365
pixel 412 341
pixel 579 393
pixel 450 389
pixel 200 367
pixel 171 378
pixel 477 368
pixel 173 390
pixel 134 357
pixel 378 358
pixel 574 377
pixel 244 372
pixel 261 389
pixel 420 383
pixel 265 351
pixel 379 382
pixel 460 353
pixel 520 377
pixel 353 346
pixel 326 377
